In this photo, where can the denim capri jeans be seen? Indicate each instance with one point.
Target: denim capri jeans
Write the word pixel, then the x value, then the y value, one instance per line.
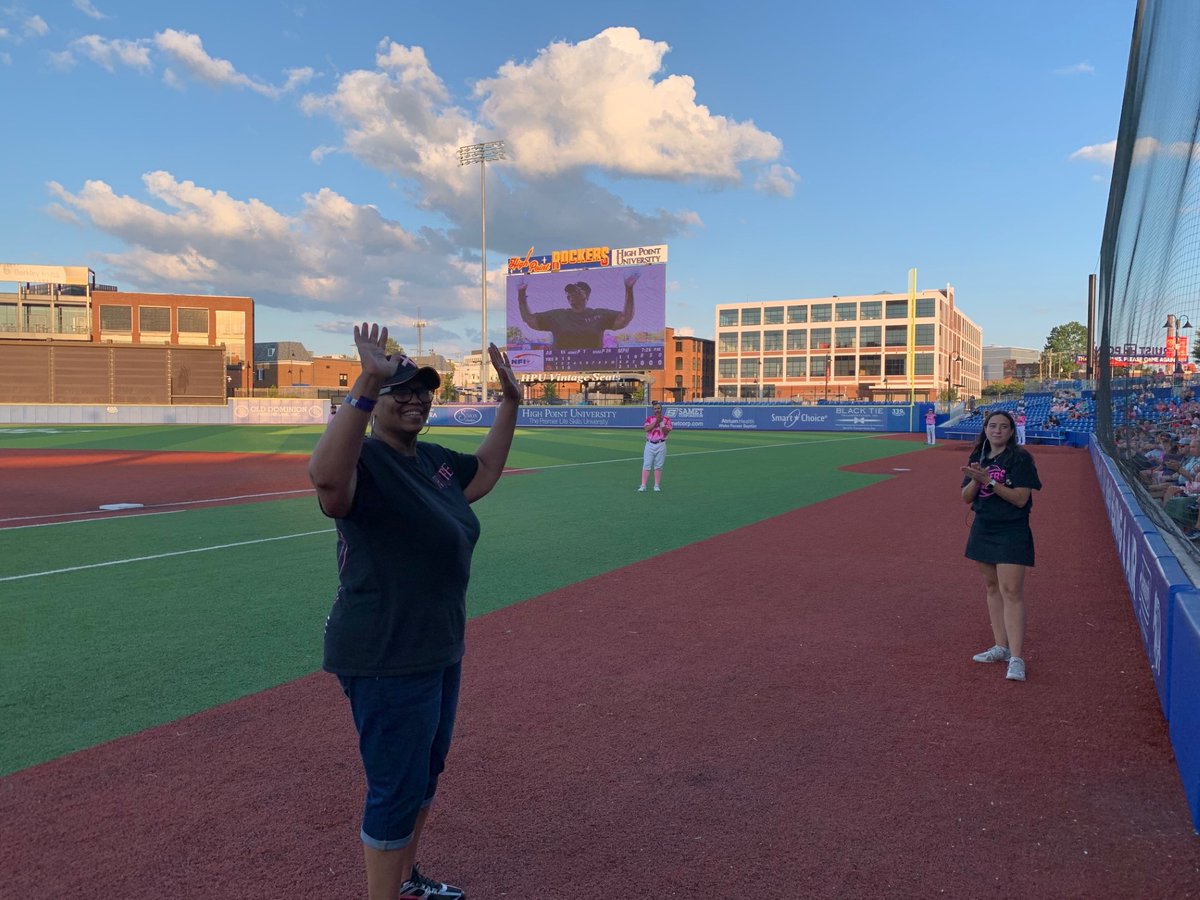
pixel 404 725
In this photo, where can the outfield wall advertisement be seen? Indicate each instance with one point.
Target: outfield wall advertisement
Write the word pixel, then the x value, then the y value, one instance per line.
pixel 705 416
pixel 593 309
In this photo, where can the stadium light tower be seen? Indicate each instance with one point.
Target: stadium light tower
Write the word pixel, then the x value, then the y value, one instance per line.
pixel 490 151
pixel 1176 323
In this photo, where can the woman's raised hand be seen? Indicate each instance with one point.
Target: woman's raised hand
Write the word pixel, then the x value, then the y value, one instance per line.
pixel 371 341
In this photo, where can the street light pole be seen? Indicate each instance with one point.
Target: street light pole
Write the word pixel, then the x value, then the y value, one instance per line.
pixel 484 153
pixel 1176 323
pixel 828 362
pixel 955 358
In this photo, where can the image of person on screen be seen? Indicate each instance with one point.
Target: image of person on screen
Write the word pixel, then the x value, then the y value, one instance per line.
pixel 578 326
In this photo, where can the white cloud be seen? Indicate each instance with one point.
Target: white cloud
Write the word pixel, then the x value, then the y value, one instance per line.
pixel 188 51
pixel 88 9
pixel 35 26
pixel 1080 68
pixel 332 254
pixel 6 58
pixel 1144 150
pixel 777 179
pixel 63 60
pixel 576 110
pixel 109 53
pixel 1103 153
pixel 600 103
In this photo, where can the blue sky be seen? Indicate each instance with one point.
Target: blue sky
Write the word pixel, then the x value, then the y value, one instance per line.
pixel 303 153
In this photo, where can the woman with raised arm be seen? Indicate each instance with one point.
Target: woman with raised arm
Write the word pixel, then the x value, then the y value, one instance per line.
pixel 395 635
pixel 999 480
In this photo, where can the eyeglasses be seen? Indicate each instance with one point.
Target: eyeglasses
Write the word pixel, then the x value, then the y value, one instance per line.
pixel 404 394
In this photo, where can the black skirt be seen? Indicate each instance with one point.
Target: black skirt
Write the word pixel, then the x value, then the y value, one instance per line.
pixel 1000 542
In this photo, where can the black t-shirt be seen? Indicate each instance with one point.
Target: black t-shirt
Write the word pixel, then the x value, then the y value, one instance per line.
pixel 404 560
pixel 577 329
pixel 1015 468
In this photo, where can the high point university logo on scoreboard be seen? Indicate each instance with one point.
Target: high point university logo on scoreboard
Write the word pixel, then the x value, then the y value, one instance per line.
pixel 591 309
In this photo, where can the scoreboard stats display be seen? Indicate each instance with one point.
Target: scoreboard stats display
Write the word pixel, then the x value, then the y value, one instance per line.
pixel 593 309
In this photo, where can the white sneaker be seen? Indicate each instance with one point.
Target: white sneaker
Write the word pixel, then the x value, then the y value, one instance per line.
pixel 642 489
pixel 657 489
pixel 995 653
pixel 1016 669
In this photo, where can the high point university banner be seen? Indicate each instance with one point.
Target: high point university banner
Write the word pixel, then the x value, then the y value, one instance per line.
pixel 593 309
pixel 705 416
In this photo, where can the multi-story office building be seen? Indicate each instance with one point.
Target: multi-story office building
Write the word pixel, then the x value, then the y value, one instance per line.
pixel 64 305
pixel 997 359
pixel 873 347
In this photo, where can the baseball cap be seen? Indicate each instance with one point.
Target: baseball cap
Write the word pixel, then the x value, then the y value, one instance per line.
pixel 409 371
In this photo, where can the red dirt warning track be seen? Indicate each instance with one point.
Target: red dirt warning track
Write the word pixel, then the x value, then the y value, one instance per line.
pixel 795 714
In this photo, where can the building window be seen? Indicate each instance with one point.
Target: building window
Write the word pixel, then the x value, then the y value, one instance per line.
pixel 727 390
pixel 797 366
pixel 893 365
pixel 843 367
pixel 797 314
pixel 822 312
pixel 773 368
pixel 749 368
pixel 843 338
pixel 924 336
pixel 678 362
pixel 154 319
pixel 116 318
pixel 869 366
pixel 818 366
pixel 751 316
pixel 896 336
pixel 870 336
pixel 679 346
pixel 751 340
pixel 846 312
pixel 727 368
pixel 797 339
pixel 342 379
pixel 926 307
pixel 897 309
pixel 923 363
pixel 773 315
pixel 821 338
pixel 727 318
pixel 192 321
pixel 870 309
pixel 773 341
pixel 727 341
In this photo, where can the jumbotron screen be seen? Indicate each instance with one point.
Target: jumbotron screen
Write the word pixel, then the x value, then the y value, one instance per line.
pixel 603 319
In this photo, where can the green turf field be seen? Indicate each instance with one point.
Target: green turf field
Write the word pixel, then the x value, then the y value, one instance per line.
pixel 117 625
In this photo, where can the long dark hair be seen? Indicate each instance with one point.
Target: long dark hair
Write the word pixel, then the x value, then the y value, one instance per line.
pixel 982 440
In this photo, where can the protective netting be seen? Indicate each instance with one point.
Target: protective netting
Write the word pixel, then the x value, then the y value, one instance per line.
pixel 1148 303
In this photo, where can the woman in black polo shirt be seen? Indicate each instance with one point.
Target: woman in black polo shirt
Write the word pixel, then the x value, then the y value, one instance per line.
pixel 999 480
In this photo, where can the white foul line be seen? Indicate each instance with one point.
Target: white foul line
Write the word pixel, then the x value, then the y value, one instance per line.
pixel 121 562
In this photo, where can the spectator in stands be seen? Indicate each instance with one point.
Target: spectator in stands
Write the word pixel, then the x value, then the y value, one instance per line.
pixel 998 482
pixel 1020 420
pixel 394 638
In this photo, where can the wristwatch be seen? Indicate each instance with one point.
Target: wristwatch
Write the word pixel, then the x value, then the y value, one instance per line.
pixel 991 485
